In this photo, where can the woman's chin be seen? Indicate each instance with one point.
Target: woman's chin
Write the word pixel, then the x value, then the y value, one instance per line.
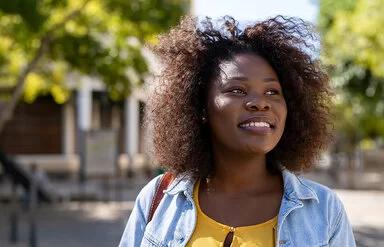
pixel 257 150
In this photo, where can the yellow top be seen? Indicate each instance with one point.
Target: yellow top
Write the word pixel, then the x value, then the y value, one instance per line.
pixel 210 233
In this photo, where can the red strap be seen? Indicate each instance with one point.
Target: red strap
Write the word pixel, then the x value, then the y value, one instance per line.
pixel 165 181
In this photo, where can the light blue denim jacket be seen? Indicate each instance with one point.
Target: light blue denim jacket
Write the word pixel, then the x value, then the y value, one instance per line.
pixel 311 215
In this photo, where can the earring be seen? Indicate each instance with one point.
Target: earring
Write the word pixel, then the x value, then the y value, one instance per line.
pixel 209 188
pixel 203 117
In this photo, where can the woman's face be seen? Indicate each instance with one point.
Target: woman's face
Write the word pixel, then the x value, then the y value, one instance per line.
pixel 246 109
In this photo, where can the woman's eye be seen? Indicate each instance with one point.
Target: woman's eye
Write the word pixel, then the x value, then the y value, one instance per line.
pixel 272 92
pixel 237 90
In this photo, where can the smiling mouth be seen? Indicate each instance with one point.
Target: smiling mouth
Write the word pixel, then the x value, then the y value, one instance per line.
pixel 256 125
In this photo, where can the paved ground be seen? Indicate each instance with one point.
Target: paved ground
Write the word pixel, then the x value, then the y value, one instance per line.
pixel 88 224
pixel 365 210
pixel 99 224
pixel 74 224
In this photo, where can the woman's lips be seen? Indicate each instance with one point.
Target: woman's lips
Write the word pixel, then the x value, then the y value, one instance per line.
pixel 258 121
pixel 261 124
pixel 255 124
pixel 257 127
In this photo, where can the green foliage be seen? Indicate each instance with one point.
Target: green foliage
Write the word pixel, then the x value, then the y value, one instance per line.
pixel 103 38
pixel 26 9
pixel 329 10
pixel 353 50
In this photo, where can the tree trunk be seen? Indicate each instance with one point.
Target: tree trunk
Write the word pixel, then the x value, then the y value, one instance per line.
pixel 10 106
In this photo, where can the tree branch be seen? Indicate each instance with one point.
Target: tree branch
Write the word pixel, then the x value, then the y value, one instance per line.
pixel 70 16
pixel 44 46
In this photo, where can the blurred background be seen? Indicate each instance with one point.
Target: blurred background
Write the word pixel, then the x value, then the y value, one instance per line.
pixel 73 86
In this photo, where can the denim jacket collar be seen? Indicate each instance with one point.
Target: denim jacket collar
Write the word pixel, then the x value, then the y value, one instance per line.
pixel 294 187
pixel 182 183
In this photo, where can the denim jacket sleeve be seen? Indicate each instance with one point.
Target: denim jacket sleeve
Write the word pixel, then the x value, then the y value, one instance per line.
pixel 320 221
pixel 342 234
pixel 134 230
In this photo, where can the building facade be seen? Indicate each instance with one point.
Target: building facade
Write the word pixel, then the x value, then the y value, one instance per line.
pixel 49 134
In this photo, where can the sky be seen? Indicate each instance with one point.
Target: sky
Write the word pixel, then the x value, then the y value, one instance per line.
pixel 254 10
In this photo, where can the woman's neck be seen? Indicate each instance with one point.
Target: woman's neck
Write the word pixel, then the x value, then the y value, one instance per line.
pixel 242 174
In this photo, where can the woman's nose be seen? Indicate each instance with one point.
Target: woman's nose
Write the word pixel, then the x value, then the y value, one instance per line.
pixel 257 104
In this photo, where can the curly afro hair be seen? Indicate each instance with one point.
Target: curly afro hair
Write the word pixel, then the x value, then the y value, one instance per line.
pixel 190 55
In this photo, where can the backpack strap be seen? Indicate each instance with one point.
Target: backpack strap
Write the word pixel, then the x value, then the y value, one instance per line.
pixel 165 181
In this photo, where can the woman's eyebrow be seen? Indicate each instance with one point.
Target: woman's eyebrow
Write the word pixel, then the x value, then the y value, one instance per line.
pixel 244 78
pixel 238 78
pixel 270 79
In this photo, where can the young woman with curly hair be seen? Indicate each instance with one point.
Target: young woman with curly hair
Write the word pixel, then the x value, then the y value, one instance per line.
pixel 236 116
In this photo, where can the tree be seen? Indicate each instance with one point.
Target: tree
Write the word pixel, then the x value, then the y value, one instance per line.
pixel 41 41
pixel 353 48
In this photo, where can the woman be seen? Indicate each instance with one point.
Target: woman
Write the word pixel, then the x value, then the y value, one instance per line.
pixel 236 115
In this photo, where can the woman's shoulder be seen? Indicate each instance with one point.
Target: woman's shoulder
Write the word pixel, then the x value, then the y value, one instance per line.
pixel 297 186
pixel 325 195
pixel 148 191
pixel 319 206
pixel 317 187
pixel 325 204
pixel 145 197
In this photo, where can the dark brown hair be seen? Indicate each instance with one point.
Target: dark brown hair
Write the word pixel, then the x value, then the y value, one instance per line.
pixel 189 56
